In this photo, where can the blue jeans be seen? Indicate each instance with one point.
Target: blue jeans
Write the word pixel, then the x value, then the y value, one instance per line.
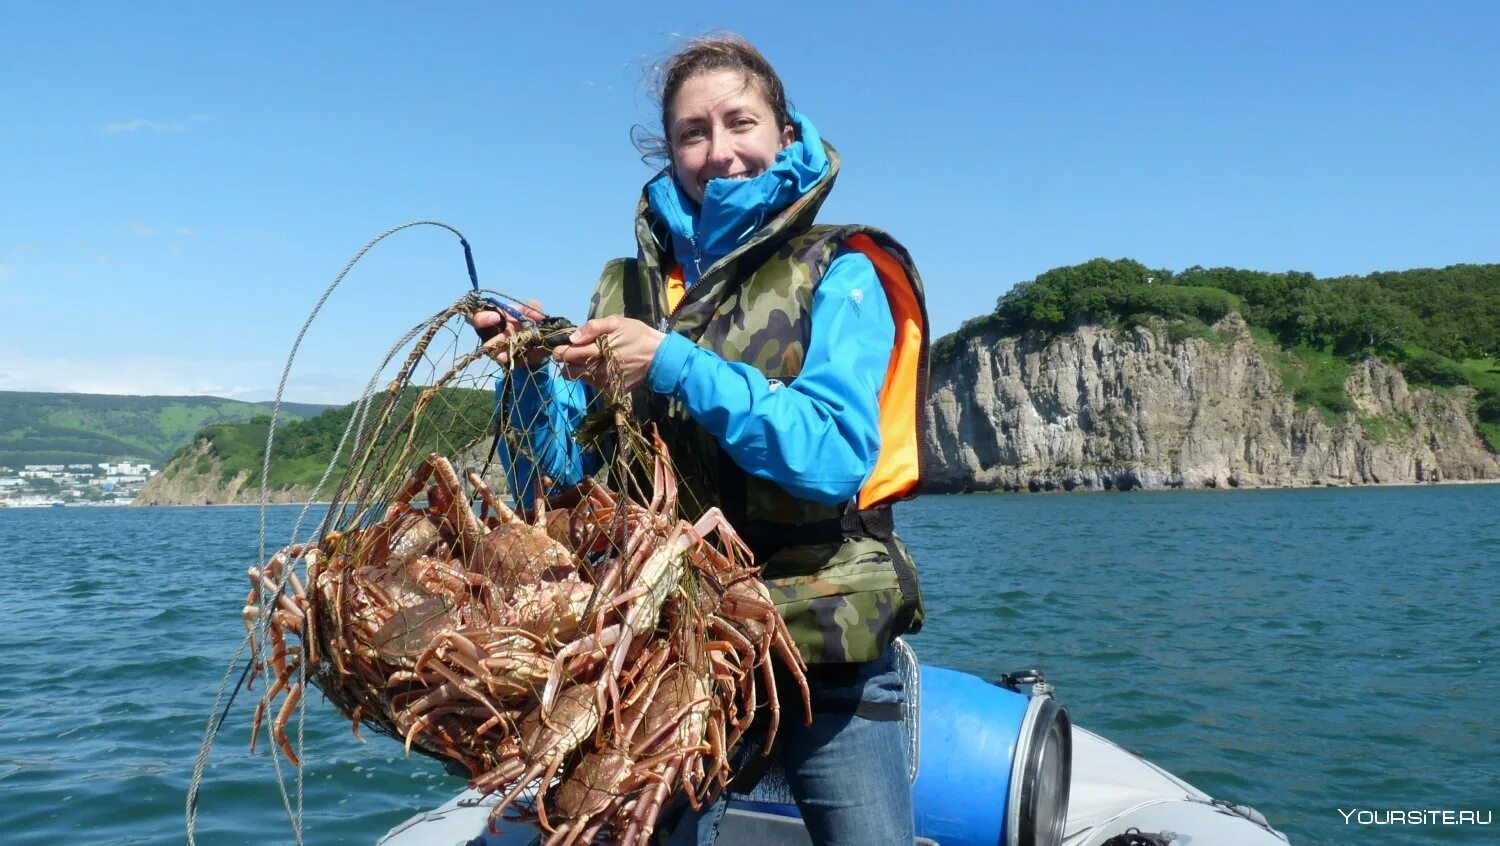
pixel 847 772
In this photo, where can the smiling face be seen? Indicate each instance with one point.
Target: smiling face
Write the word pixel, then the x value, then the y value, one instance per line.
pixel 722 127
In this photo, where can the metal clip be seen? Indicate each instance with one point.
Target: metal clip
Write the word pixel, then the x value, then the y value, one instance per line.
pixel 1038 682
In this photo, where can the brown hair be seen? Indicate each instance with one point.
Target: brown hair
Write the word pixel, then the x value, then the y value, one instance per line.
pixel 720 51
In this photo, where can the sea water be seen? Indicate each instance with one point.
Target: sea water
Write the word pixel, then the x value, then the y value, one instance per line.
pixel 1327 656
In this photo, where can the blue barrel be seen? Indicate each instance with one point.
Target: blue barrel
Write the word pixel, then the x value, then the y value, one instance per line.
pixel 969 731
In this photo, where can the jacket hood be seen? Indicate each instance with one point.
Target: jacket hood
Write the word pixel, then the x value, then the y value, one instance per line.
pixel 733 211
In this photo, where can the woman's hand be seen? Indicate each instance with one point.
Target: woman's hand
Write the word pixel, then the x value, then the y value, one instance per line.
pixel 632 343
pixel 508 325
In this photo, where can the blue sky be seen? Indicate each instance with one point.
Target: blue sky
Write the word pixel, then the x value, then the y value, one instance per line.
pixel 179 182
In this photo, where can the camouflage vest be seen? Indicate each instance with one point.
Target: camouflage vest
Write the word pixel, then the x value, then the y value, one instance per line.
pixel 840 577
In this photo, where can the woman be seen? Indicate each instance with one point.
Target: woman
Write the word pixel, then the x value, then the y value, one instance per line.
pixel 785 364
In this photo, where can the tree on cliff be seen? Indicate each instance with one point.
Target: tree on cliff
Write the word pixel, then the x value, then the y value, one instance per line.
pixel 1440 326
pixel 1453 312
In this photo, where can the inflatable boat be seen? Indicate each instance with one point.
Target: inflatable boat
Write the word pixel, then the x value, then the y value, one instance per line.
pixel 991 763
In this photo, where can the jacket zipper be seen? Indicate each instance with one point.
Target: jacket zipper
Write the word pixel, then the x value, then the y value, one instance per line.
pixel 791 211
pixel 663 324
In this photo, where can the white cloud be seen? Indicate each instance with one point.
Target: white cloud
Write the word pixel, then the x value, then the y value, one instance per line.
pixel 186 232
pixel 141 230
pixel 122 127
pixel 168 376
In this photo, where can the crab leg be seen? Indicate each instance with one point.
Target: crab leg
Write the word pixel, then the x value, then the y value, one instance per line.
pixel 278 728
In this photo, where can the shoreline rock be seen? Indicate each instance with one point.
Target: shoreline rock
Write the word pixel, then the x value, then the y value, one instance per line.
pixel 1094 409
pixel 1098 409
pixel 195 477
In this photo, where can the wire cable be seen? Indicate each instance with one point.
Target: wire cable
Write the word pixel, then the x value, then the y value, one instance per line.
pixel 211 730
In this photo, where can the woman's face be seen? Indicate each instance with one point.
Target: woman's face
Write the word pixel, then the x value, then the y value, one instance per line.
pixel 722 128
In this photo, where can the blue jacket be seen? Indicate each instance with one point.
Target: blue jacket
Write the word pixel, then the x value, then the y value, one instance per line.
pixel 818 437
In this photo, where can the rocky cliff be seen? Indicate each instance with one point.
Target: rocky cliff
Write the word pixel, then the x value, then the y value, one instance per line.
pixel 195 477
pixel 1099 408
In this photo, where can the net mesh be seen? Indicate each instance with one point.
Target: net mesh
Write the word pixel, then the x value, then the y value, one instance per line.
pixel 586 648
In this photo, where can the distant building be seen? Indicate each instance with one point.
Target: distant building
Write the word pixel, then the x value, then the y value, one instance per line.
pixel 125 468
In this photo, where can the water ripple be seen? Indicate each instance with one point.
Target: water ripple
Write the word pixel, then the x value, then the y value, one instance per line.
pixel 1287 649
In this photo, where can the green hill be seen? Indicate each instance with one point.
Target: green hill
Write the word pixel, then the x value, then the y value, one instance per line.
pixel 1441 327
pixel 47 428
pixel 303 448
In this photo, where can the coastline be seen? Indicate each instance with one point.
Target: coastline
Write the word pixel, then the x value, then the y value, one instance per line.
pixel 228 504
pixel 1055 490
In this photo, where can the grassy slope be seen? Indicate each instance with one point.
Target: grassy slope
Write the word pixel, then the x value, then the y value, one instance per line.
pixel 1315 377
pixel 1484 375
pixel 304 448
pixel 48 428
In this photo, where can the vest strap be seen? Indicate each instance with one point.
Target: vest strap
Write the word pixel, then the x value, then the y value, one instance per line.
pixel 766 539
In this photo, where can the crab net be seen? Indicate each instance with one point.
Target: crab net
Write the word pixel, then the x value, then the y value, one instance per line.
pixel 587 644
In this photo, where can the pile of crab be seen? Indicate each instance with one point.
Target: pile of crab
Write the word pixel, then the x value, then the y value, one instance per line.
pixel 589 659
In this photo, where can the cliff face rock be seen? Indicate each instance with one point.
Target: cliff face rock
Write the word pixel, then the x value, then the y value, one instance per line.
pixel 195 477
pixel 1101 409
